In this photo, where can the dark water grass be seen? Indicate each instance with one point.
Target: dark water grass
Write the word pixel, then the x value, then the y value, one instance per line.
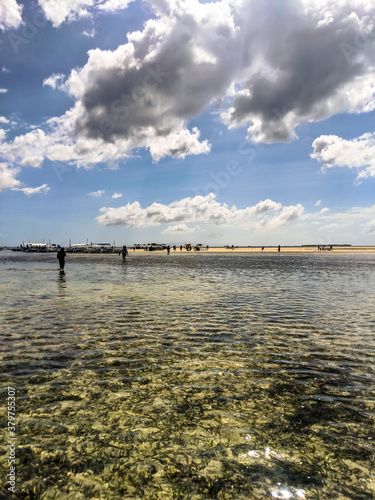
pixel 241 376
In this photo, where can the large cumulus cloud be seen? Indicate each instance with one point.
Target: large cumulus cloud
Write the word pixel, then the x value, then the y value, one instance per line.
pixel 197 209
pixel 304 61
pixel 269 66
pixel 266 219
pixel 147 90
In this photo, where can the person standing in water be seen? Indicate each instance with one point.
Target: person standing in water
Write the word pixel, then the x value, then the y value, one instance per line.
pixel 61 256
pixel 124 252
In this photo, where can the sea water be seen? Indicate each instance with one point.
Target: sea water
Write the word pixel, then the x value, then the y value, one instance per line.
pixel 243 376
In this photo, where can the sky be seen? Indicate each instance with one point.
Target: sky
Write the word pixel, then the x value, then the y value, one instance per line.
pixel 185 121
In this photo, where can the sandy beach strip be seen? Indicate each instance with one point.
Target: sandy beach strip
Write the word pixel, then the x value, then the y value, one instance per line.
pixel 273 249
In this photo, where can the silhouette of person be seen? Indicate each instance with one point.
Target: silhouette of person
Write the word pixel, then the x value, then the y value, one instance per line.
pixel 124 252
pixel 61 256
pixel 168 249
pixel 278 248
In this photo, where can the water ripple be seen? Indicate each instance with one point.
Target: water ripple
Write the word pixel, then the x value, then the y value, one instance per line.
pixel 191 376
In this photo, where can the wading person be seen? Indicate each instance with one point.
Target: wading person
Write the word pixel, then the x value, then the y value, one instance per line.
pixel 61 256
pixel 124 252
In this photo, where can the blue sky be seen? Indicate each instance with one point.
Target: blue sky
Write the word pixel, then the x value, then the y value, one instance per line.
pixel 231 122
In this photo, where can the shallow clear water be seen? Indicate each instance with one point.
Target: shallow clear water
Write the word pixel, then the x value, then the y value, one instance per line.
pixel 190 375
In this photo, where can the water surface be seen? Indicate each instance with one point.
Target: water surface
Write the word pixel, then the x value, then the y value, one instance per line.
pixel 247 376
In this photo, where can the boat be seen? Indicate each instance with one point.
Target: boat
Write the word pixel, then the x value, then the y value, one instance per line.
pixel 92 248
pixel 35 247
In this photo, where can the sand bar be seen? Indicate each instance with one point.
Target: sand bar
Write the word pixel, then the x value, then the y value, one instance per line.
pixel 286 249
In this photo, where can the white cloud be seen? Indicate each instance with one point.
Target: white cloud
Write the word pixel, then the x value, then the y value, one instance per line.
pixel 89 34
pixel 10 15
pixel 26 150
pixel 3 91
pixel 8 177
pixel 357 222
pixel 288 214
pixel 317 204
pixel 117 195
pixel 248 225
pixel 265 206
pixel 180 228
pixel 32 148
pixel 4 120
pixel 97 194
pixel 333 151
pixel 54 81
pixel 58 11
pixel 8 180
pixel 113 5
pixel 28 190
pixel 200 209
pixel 324 211
pixel 5 70
pixel 370 227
